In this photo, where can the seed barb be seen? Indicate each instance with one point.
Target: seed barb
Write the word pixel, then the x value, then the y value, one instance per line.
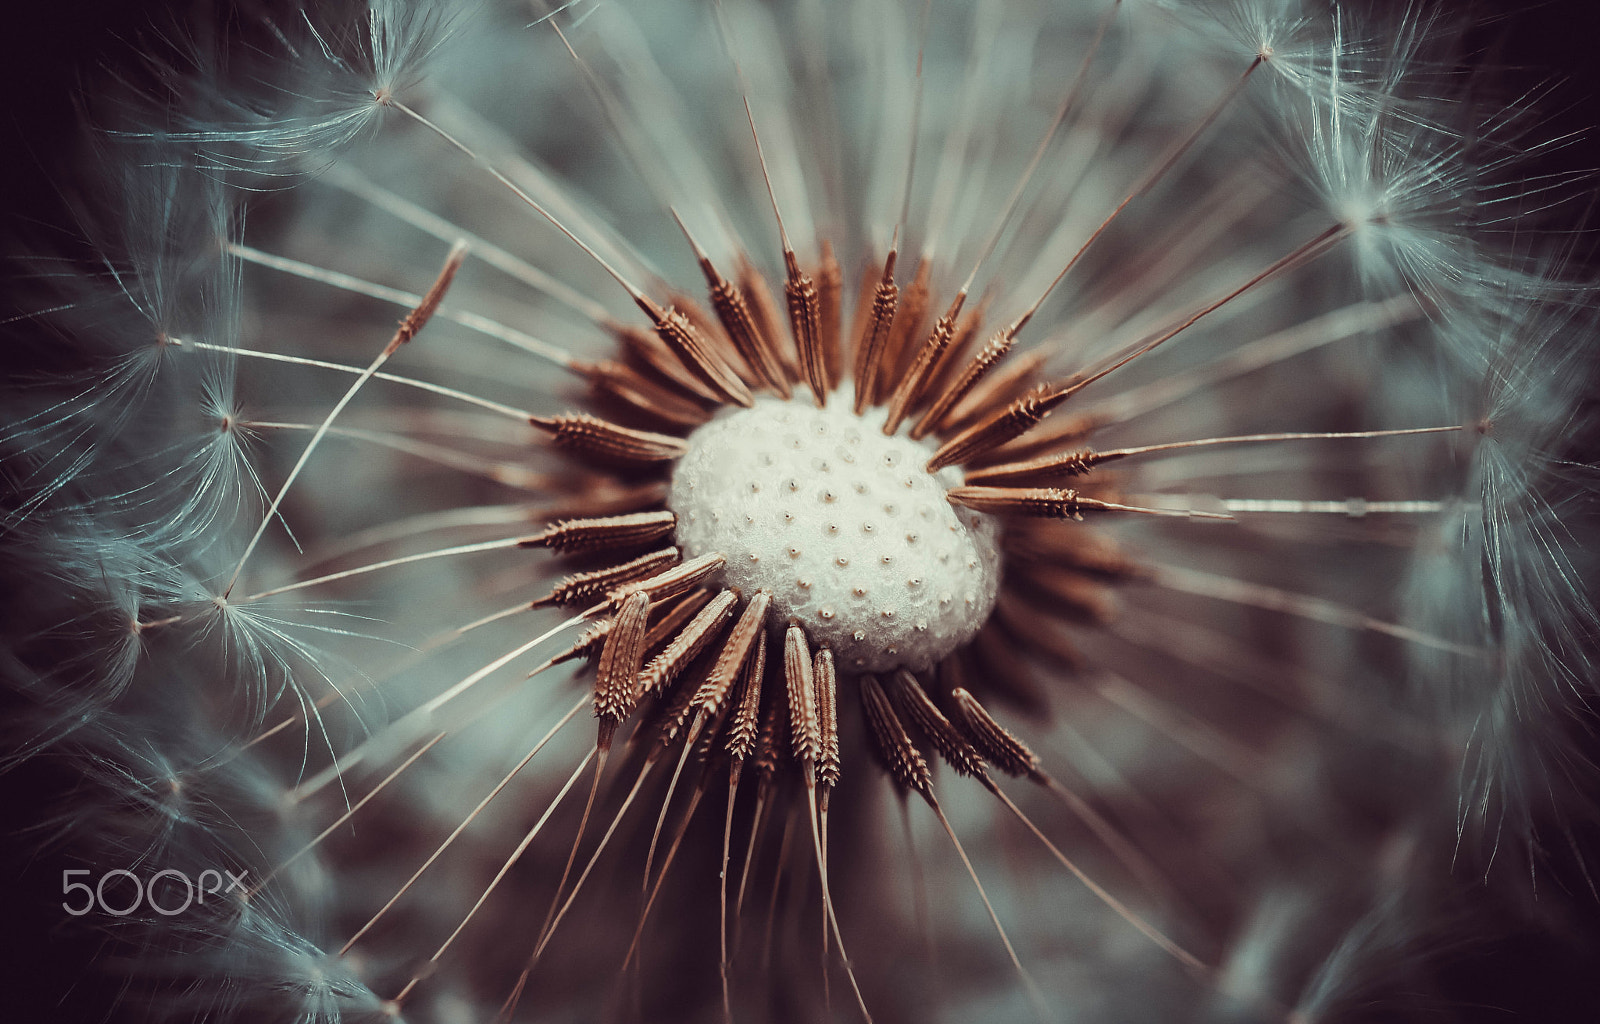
pixel 732 309
pixel 1053 503
pixel 414 321
pixel 581 586
pixel 871 346
pixel 954 361
pixel 608 532
pixel 912 701
pixel 730 661
pixel 710 329
pixel 928 359
pixel 701 631
pixel 805 317
pixel 616 689
pixel 805 726
pixel 1010 422
pixel 1006 384
pixel 1005 751
pixel 827 685
pixel 746 724
pixel 649 351
pixel 587 644
pixel 827 771
pixel 751 341
pixel 677 614
pixel 904 761
pixel 993 351
pixel 592 436
pixel 671 718
pixel 698 354
pixel 682 577
pixel 799 289
pixel 1078 463
pixel 1049 467
pixel 1051 438
pixel 998 746
pixel 769 740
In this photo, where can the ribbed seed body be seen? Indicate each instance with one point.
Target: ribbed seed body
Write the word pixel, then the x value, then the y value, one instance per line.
pixel 916 707
pixel 997 745
pixel 592 436
pixel 606 532
pixel 904 761
pixel 582 586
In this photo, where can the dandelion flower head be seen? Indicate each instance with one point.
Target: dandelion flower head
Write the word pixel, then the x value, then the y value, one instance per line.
pixel 868 510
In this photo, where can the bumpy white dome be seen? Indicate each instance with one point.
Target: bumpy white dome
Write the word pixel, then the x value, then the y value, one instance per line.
pixel 844 527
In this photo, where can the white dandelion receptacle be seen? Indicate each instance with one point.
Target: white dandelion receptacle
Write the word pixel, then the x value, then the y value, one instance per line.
pixel 844 527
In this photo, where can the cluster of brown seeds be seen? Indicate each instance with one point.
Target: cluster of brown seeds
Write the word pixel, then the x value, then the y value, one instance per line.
pixel 689 660
pixel 659 618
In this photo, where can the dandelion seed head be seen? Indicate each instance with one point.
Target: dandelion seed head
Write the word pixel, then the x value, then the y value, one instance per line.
pixel 822 496
pixel 1179 751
